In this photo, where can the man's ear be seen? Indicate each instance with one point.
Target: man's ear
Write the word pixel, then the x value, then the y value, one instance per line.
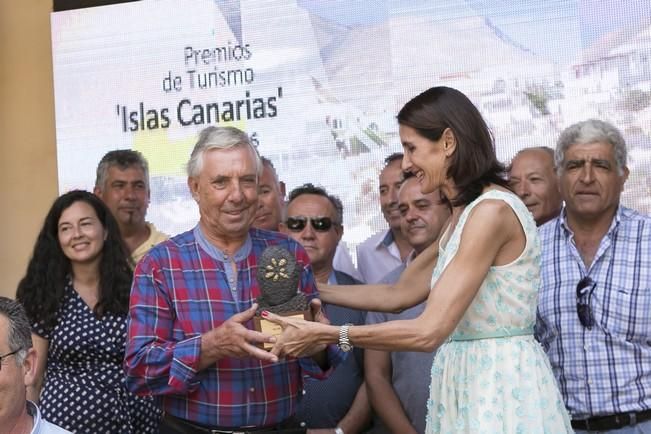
pixel 283 189
pixel 29 367
pixel 97 192
pixel 339 230
pixel 193 185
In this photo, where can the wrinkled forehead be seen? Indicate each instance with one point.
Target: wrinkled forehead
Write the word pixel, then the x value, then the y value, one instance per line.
pixel 391 173
pixel 311 205
pixel 410 191
pixel 590 151
pixel 131 172
pixel 531 161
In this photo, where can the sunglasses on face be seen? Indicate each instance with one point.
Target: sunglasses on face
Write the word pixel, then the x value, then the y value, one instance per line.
pixel 583 294
pixel 319 224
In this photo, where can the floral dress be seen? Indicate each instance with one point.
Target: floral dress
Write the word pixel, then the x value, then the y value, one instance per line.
pixel 492 376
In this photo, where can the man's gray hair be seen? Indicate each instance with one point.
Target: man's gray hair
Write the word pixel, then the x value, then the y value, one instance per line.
pixel 123 159
pixel 219 138
pixel 268 163
pixel 19 335
pixel 591 131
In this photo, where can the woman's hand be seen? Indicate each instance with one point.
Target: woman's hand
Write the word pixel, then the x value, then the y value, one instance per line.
pixel 299 337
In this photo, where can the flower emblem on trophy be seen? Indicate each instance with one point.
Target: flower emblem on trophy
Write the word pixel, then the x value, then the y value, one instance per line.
pixel 278 277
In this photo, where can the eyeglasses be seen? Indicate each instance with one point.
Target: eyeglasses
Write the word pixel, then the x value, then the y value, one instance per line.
pixel 583 294
pixel 2 357
pixel 319 224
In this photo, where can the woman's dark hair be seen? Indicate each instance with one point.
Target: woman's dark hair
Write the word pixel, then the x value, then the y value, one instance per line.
pixel 474 164
pixel 42 288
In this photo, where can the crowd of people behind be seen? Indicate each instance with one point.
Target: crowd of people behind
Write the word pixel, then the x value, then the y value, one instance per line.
pixel 501 298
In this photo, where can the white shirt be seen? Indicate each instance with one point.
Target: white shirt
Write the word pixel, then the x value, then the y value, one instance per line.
pixel 344 263
pixel 41 426
pixel 377 256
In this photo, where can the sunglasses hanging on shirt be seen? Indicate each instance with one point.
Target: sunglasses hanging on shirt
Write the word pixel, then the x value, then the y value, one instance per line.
pixel 583 295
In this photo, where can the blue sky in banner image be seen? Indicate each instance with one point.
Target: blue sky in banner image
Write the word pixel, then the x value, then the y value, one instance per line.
pixel 555 29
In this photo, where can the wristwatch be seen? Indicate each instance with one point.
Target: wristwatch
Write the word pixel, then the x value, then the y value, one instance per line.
pixel 339 431
pixel 344 345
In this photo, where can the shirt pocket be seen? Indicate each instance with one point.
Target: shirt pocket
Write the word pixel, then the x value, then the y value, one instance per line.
pixel 625 311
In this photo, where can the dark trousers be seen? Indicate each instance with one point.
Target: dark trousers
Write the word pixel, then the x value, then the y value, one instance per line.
pixel 174 425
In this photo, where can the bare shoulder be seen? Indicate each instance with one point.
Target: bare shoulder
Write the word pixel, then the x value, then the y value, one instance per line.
pixel 491 222
pixel 491 212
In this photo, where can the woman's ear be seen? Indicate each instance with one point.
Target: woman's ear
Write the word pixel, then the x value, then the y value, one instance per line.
pixel 449 142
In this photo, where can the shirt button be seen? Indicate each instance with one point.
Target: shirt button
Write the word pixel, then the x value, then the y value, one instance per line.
pixel 252 389
pixel 304 392
pixel 303 424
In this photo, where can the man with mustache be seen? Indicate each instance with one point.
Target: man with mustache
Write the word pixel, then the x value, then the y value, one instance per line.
pixel 532 178
pixel 394 380
pixel 191 342
pixel 594 307
pixel 387 249
pixel 122 183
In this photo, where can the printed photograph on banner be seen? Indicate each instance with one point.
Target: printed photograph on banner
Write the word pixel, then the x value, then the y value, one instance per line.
pixel 317 85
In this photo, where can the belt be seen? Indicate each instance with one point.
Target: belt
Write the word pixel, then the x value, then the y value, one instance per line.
pixel 183 426
pixel 605 423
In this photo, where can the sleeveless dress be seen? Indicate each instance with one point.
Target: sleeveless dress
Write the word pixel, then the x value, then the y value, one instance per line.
pixel 492 376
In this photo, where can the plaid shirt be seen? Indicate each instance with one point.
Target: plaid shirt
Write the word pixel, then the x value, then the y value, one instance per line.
pixel 605 370
pixel 182 289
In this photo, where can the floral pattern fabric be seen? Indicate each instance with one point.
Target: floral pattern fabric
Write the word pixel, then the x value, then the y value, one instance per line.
pixel 491 376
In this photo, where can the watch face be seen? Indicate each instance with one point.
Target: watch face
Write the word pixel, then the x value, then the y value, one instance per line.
pixel 345 347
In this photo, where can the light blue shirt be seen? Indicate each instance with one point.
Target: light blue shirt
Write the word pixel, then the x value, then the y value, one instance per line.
pixel 41 426
pixel 377 256
pixel 607 369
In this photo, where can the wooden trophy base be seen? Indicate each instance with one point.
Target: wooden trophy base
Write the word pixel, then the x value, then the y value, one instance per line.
pixel 265 326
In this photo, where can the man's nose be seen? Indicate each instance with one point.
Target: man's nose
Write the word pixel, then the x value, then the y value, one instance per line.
pixel 522 189
pixel 129 192
pixel 587 175
pixel 236 193
pixel 308 231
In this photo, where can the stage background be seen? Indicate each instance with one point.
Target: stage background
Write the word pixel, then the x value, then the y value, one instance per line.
pixel 318 83
pixel 330 75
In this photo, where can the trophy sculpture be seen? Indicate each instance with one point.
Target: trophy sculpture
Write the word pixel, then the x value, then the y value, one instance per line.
pixel 278 277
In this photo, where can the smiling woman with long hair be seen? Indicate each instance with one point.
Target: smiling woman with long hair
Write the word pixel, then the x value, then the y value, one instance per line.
pixel 489 374
pixel 76 294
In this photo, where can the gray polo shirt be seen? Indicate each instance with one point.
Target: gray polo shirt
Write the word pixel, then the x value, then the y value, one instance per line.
pixel 411 370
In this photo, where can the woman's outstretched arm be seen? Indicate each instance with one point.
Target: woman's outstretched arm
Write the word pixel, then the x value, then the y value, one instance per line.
pixel 412 288
pixel 492 235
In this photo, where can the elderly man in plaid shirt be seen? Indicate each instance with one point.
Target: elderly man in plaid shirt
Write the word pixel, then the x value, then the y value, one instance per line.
pixel 595 298
pixel 190 340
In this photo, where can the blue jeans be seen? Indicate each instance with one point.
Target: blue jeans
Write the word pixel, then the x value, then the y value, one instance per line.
pixel 640 428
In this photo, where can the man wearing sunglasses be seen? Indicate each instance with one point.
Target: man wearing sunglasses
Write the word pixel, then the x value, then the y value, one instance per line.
pixel 17 371
pixel 339 403
pixel 594 310
pixel 271 205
